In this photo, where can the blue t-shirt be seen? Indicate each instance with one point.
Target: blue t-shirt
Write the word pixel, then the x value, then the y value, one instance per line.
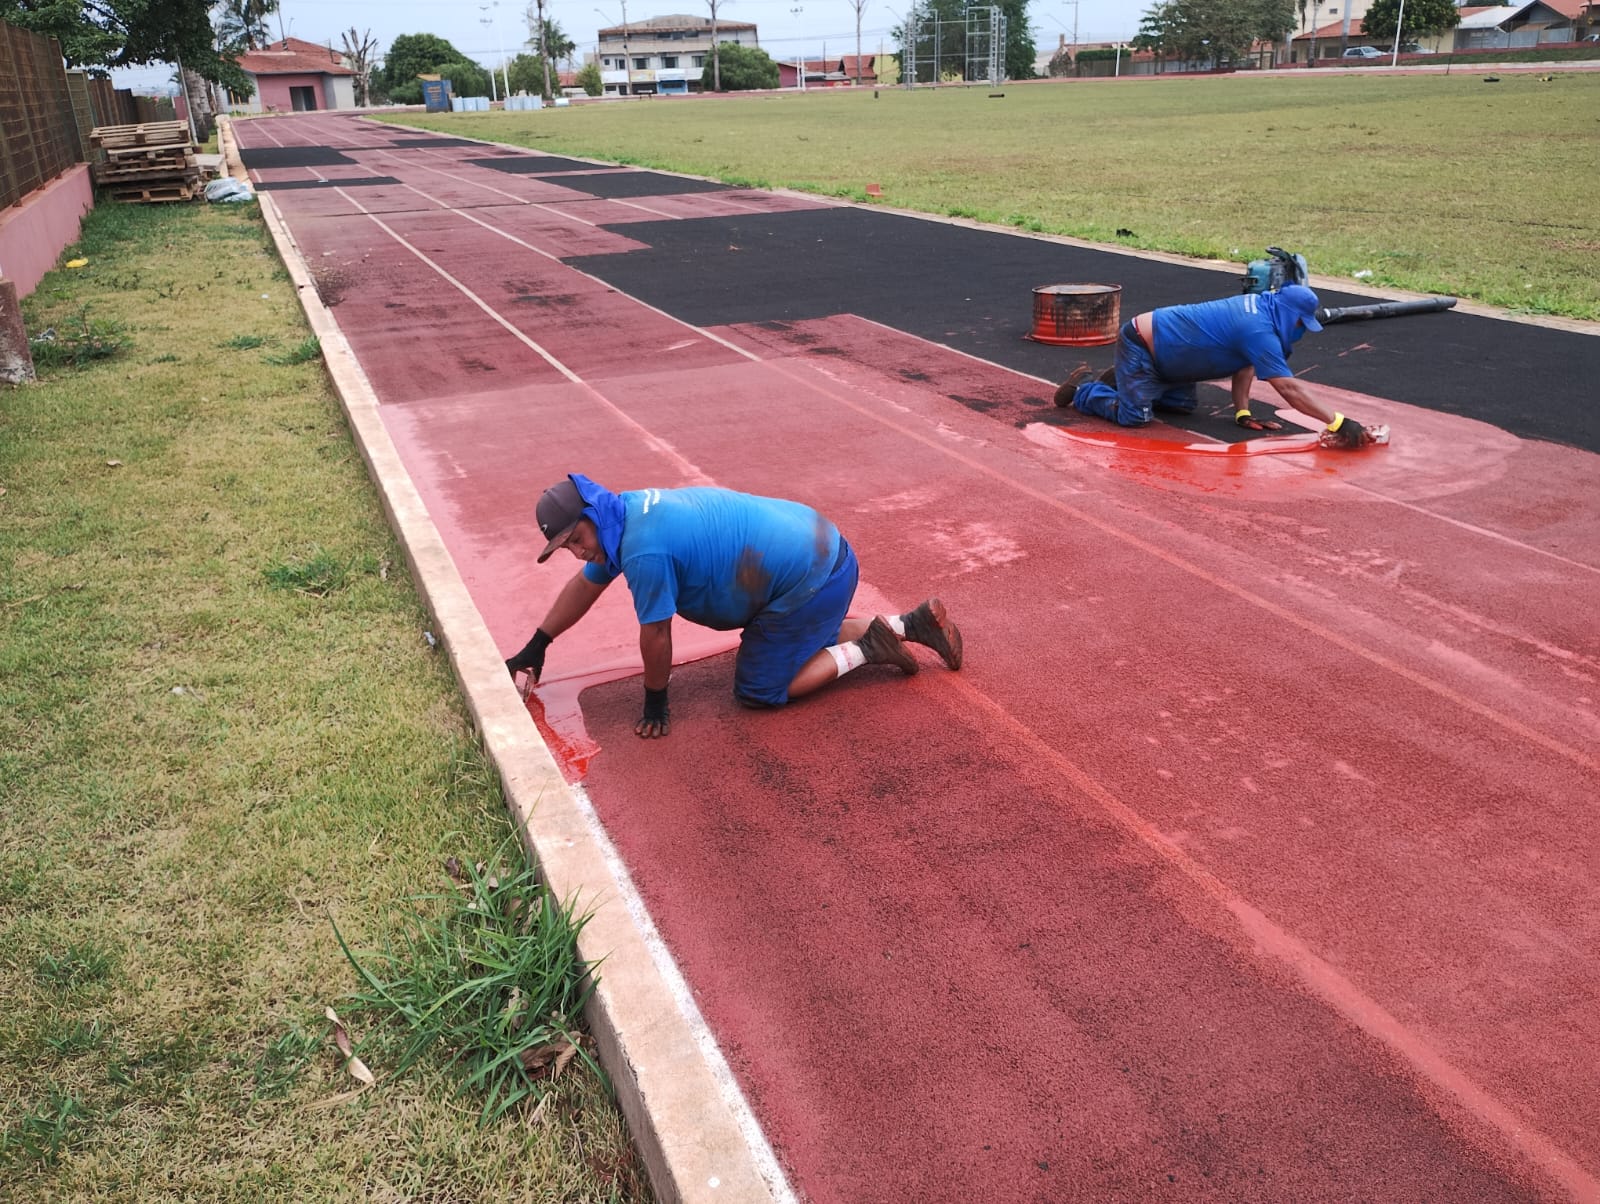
pixel 1213 339
pixel 719 558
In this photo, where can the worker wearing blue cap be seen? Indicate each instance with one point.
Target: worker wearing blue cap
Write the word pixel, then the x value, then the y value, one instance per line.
pixel 1164 353
pixel 775 570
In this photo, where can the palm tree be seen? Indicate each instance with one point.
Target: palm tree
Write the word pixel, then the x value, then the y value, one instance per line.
pixel 548 41
pixel 242 24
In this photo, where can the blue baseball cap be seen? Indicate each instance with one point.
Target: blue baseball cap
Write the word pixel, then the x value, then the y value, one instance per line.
pixel 1302 302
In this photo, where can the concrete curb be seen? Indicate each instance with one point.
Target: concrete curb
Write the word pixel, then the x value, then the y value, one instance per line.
pixel 697 1138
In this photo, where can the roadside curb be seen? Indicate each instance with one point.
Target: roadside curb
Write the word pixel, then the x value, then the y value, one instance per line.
pixel 697 1143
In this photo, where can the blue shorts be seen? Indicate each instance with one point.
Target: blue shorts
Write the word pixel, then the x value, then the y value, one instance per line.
pixel 775 646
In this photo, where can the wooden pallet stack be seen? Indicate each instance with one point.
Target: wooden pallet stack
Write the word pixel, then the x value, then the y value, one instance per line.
pixel 144 163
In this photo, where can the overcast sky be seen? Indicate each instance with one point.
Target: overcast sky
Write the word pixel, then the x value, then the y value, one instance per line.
pixel 787 28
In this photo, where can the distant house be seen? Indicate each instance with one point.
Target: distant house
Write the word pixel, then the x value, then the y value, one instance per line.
pixel 293 76
pixel 1538 23
pixel 663 54
pixel 828 73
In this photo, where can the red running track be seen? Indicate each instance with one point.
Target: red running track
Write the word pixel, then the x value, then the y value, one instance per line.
pixel 1251 856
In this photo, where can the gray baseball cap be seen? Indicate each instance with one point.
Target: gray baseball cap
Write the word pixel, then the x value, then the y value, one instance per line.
pixel 559 511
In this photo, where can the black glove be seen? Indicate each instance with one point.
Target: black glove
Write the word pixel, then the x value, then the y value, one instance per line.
pixel 1351 434
pixel 1251 423
pixel 656 718
pixel 531 657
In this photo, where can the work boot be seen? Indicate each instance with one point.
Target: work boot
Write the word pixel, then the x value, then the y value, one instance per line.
pixel 929 626
pixel 1109 376
pixel 1078 376
pixel 881 646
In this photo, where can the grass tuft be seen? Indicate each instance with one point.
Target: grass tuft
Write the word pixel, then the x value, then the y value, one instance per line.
pixel 80 340
pixel 41 1135
pixel 319 574
pixel 303 353
pixel 75 966
pixel 285 1060
pixel 485 978
pixel 79 1037
pixel 242 342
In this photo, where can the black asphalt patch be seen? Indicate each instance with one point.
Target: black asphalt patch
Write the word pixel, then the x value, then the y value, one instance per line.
pixel 263 157
pixel 973 290
pixel 617 185
pixel 409 142
pixel 295 185
pixel 538 165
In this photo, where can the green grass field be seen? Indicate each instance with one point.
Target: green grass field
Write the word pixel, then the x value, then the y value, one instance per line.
pixel 222 731
pixel 1432 183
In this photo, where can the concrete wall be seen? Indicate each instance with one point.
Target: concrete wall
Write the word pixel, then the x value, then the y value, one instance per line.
pixel 339 91
pixel 35 232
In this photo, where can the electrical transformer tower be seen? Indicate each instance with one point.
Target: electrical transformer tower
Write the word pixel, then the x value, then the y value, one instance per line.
pixel 922 44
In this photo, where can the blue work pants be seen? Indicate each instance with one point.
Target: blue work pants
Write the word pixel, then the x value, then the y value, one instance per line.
pixel 1140 389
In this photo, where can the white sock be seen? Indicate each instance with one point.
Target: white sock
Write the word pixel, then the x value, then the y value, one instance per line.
pixel 847 656
pixel 897 624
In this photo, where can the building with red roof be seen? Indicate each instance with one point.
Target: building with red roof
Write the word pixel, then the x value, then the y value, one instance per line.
pixel 295 76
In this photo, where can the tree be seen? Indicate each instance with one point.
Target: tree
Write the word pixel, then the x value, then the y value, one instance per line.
pixel 716 57
pixel 550 44
pixel 1421 17
pixel 127 33
pixel 358 49
pixel 746 68
pixel 1220 31
pixel 242 24
pixel 858 6
pixel 414 54
pixel 589 79
pixel 466 77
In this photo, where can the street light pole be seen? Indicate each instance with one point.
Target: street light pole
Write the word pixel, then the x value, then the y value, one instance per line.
pixel 488 19
pixel 627 63
pixel 1399 24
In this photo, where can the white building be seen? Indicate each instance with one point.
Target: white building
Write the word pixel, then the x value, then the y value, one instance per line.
pixel 663 54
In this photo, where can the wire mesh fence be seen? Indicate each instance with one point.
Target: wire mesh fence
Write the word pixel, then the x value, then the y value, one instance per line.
pixel 38 132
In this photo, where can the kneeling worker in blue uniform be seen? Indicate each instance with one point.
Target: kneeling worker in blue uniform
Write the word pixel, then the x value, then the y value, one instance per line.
pixel 1163 354
pixel 778 570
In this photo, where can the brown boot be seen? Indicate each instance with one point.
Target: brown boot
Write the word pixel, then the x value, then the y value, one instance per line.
pixel 881 646
pixel 1109 376
pixel 929 626
pixel 1068 387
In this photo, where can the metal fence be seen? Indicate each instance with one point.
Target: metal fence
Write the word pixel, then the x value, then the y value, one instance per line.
pixel 46 112
pixel 38 133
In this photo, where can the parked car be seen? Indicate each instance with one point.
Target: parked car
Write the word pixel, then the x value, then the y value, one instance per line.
pixel 1363 52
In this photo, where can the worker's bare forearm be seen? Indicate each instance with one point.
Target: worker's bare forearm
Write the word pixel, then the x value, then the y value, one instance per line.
pixel 655 650
pixel 1242 380
pixel 571 604
pixel 1301 398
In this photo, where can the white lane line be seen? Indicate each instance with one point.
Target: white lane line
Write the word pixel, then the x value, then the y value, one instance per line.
pixel 687 468
pixel 459 179
pixel 698 331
